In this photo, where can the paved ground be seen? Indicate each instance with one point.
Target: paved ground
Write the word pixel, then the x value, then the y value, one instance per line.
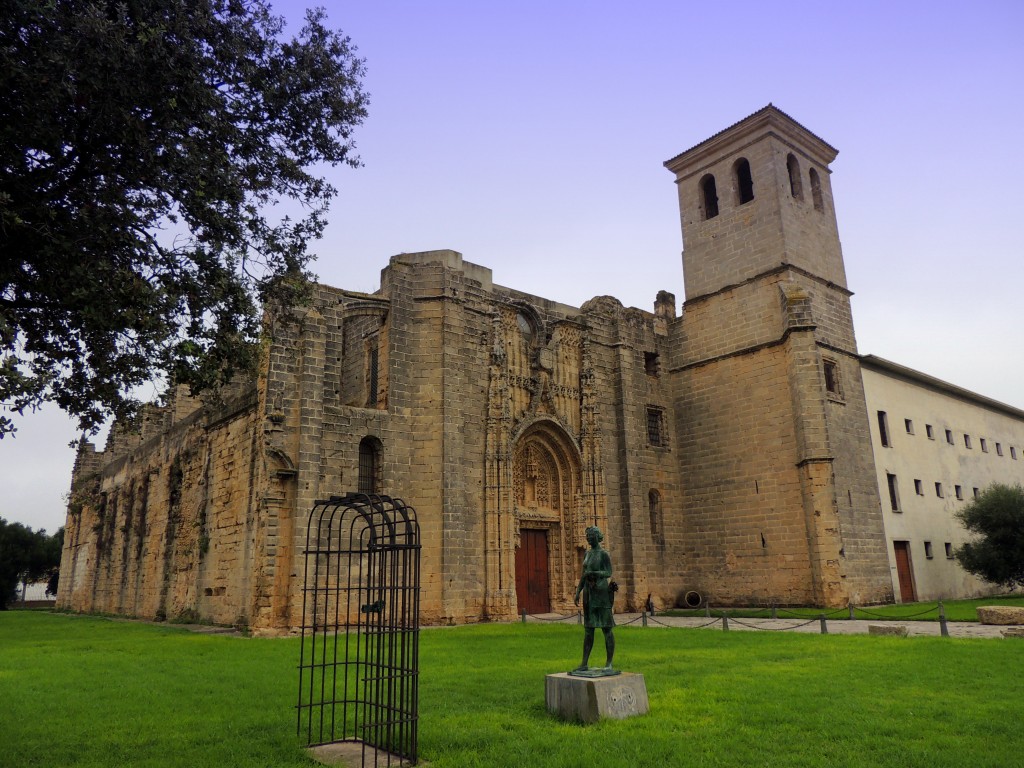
pixel 835 626
pixel 813 626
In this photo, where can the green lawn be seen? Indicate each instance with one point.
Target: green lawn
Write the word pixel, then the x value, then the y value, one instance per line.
pixel 83 691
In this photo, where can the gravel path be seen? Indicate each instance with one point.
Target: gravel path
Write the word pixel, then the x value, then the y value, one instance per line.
pixel 812 626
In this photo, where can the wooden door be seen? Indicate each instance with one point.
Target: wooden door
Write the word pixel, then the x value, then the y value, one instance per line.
pixel 904 572
pixel 532 572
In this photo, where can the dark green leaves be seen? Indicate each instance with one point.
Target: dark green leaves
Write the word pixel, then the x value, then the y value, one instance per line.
pixel 997 517
pixel 26 556
pixel 143 146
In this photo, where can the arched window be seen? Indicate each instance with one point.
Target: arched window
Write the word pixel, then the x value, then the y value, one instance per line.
pixel 654 510
pixel 744 181
pixel 816 191
pixel 796 188
pixel 525 326
pixel 369 465
pixel 709 197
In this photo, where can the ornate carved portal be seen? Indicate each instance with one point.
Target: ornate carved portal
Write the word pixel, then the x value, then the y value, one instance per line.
pixel 545 486
pixel 543 461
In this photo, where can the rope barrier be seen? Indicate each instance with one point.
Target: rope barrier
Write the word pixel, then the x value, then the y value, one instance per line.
pixel 832 615
pixel 794 614
pixel 852 611
pixel 724 617
pixel 650 618
pixel 773 629
pixel 898 618
pixel 535 617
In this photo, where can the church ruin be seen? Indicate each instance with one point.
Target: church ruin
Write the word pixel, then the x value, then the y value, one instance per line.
pixel 725 449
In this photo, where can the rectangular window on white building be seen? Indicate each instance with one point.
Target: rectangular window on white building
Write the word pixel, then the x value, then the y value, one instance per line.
pixel 883 429
pixel 894 493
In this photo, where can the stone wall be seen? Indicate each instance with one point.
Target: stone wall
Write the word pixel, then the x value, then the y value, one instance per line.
pixel 725 450
pixel 165 530
pixel 776 467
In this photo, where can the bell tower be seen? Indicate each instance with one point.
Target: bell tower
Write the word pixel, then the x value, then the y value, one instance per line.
pixel 755 197
pixel 774 446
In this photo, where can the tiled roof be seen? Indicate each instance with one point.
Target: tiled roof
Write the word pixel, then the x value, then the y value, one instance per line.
pixel 769 108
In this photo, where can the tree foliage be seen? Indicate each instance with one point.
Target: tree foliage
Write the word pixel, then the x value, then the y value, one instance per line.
pixel 997 517
pixel 27 556
pixel 144 145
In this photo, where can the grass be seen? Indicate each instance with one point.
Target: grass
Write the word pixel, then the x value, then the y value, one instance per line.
pixel 956 610
pixel 84 691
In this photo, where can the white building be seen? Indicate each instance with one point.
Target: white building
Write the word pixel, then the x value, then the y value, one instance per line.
pixel 936 446
pixel 34 593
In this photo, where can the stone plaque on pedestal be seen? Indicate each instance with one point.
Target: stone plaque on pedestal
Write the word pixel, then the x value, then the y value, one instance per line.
pixel 588 699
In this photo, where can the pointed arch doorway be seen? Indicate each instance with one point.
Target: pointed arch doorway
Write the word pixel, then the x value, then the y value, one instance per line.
pixel 546 488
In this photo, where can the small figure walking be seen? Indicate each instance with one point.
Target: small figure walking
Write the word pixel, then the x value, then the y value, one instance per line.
pixel 598 593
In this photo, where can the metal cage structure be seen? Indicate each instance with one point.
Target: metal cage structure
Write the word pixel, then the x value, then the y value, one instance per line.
pixel 359 658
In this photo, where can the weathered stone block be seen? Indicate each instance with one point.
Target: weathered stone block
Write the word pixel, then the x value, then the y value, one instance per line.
pixel 1001 614
pixel 589 699
pixel 354 754
pixel 1013 632
pixel 894 630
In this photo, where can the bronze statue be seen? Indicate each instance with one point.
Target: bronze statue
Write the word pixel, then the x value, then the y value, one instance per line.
pixel 598 592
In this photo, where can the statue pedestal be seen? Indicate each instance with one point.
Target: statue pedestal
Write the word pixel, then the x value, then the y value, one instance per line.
pixel 588 699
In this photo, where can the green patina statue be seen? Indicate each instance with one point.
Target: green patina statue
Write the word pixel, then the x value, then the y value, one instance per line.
pixel 598 592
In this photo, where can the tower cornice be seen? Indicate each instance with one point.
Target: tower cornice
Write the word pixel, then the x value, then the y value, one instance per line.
pixel 769 120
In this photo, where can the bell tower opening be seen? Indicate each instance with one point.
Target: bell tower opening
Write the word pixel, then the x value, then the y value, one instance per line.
pixel 733 236
pixel 775 253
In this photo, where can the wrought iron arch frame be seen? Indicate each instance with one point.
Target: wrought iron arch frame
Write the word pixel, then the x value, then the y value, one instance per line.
pixel 359 657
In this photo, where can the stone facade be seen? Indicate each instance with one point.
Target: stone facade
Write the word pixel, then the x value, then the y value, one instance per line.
pixel 161 524
pixel 724 450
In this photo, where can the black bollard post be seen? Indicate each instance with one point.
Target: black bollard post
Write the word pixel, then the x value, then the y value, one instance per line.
pixel 824 626
pixel 643 614
pixel 943 629
pixel 579 617
pixel 524 615
pixel 707 609
pixel 775 612
pixel 852 616
pixel 725 623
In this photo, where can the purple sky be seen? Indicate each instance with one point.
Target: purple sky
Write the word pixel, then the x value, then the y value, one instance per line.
pixel 530 137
